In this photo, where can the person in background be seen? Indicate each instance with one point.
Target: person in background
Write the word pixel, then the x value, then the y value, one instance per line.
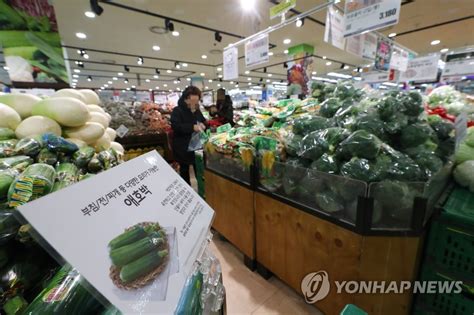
pixel 224 108
pixel 186 119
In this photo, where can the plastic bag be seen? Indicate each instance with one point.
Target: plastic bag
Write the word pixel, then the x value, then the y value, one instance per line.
pixel 28 146
pixel 59 144
pixel 47 157
pixel 8 226
pixel 195 143
pixel 7 147
pixel 83 156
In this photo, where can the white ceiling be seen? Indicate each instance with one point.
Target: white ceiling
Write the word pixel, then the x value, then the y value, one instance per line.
pixel 122 31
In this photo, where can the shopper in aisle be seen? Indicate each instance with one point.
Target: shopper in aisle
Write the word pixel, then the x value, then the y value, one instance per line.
pixel 186 119
pixel 224 109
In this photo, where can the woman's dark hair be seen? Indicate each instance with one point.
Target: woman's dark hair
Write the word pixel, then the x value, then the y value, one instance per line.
pixel 191 90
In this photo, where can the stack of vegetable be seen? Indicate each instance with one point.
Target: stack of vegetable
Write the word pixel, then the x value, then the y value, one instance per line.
pixel 464 171
pixel 448 103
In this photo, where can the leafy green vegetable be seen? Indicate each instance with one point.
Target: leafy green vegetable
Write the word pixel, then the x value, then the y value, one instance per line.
pixel 329 107
pixel 326 163
pixel 387 108
pixel 329 201
pixel 361 144
pixel 370 123
pixel 415 134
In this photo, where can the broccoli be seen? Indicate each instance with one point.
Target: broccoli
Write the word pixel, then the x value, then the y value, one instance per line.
pixel 396 123
pixel 429 163
pixel 329 107
pixel 293 145
pixel 348 188
pixel 404 168
pixel 443 128
pixel 361 144
pixel 329 201
pixel 346 116
pixel 360 169
pixel 319 142
pixel 415 134
pixel 387 108
pixel 412 104
pixel 326 163
pixel 370 123
pixel 446 148
pixel 309 185
pixel 295 169
pixel 305 125
pixel 289 185
pixel 428 147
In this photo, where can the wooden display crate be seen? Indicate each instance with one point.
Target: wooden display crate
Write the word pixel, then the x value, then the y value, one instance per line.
pixel 292 243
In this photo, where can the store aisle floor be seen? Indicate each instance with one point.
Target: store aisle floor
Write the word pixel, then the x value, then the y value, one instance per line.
pixel 248 293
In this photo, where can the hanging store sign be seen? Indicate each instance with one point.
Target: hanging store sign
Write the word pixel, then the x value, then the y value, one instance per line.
pixel 375 77
pixel 399 59
pixel 334 28
pixel 231 63
pixel 458 68
pixel 355 44
pixel 133 232
pixel 383 54
pixel 256 51
pixel 282 8
pixel 421 69
pixel 363 16
pixel 369 47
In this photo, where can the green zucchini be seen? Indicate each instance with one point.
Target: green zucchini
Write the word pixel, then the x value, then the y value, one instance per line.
pixel 95 166
pixel 15 306
pixel 28 146
pixel 7 147
pixel 66 175
pixel 134 234
pixel 142 265
pixel 128 253
pixel 47 157
pixel 83 156
pixel 10 162
pixel 6 179
pixel 7 134
pixel 86 176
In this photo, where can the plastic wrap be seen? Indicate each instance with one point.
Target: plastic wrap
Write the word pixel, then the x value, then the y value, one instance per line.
pixel 8 226
pixel 47 157
pixel 7 147
pixel 29 146
pixel 11 162
pixel 58 144
pixel 83 156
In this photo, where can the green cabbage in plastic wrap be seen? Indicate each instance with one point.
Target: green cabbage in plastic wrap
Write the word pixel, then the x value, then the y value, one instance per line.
pixel 317 143
pixel 329 201
pixel 304 125
pixel 361 144
pixel 326 163
pixel 415 134
pixel 329 107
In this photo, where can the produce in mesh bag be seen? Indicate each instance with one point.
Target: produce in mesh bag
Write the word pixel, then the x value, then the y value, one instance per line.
pixel 47 157
pixel 351 210
pixel 8 226
pixel 29 146
pixel 59 144
pixel 83 156
pixel 7 134
pixel 329 201
pixel 361 144
pixel 315 144
pixel 7 147
pixel 36 181
pixel 64 294
pixel 326 163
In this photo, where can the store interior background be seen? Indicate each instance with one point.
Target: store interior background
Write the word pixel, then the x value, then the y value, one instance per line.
pixel 131 29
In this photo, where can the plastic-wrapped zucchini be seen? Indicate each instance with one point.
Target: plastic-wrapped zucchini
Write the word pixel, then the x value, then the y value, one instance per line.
pixel 7 147
pixel 7 134
pixel 6 179
pixel 36 181
pixel 108 158
pixel 82 157
pixel 29 146
pixel 47 157
pixel 85 176
pixel 66 174
pixel 15 306
pixel 8 226
pixel 64 294
pixel 10 162
pixel 95 166
pixel 59 144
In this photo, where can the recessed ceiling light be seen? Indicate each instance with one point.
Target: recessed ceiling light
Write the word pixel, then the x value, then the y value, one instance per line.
pixel 175 33
pixel 115 78
pixel 270 53
pixel 89 14
pixel 109 82
pixel 188 79
pixel 328 63
pixel 169 71
pixel 184 64
pixel 77 71
pixel 346 67
pixel 128 89
pixel 206 87
pixel 268 80
pixel 218 84
pixel 204 57
pixel 324 57
pixel 102 88
pixel 170 90
pixel 75 76
pixel 231 82
pixel 247 5
pixel 120 73
pixel 286 41
pixel 392 35
pixel 250 83
pixel 147 80
pixel 106 85
pixel 435 42
pixel 81 35
pixel 249 79
pixel 156 47
pixel 219 76
pixel 285 51
pixel 133 86
pixel 165 85
pixel 444 50
pixel 202 74
pixel 157 87
pixel 150 90
pixel 314 72
pixel 210 80
pixel 269 74
pixel 74 80
pixel 247 72
pixel 178 88
pixel 219 69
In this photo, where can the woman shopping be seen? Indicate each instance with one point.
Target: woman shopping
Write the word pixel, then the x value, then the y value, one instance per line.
pixel 186 119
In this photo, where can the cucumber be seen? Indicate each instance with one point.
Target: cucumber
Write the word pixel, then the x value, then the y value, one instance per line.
pixel 128 253
pixel 6 179
pixel 28 146
pixel 47 157
pixel 7 147
pixel 142 265
pixel 10 162
pixel 82 157
pixel 7 134
pixel 134 234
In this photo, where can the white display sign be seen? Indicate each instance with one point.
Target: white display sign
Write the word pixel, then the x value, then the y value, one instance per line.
pixel 399 59
pixel 160 99
pixel 355 44
pixel 374 77
pixel 231 63
pixel 459 67
pixel 143 96
pixel 173 99
pixel 256 51
pixel 334 28
pixel 421 69
pixel 121 131
pixel 367 15
pixel 144 197
pixel 369 47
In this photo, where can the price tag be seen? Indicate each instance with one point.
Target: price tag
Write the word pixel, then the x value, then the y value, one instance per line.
pixel 122 131
pixel 231 63
pixel 421 69
pixel 256 51
pixel 460 125
pixel 334 27
pixel 363 16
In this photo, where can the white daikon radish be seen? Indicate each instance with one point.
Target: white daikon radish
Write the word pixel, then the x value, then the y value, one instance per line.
pixel 70 93
pixel 117 147
pixel 99 118
pixel 78 142
pixel 37 125
pixel 103 143
pixel 90 96
pixel 109 117
pixel 95 108
pixel 21 103
pixel 112 133
pixel 9 118
pixel 67 111
pixel 89 133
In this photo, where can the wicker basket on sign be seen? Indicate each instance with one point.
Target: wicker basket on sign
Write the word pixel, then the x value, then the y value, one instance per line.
pixel 144 280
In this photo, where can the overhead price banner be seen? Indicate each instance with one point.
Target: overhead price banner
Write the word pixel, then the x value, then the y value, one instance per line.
pixel 334 28
pixel 256 51
pixel 375 77
pixel 362 15
pixel 369 46
pixel 282 8
pixel 133 232
pixel 383 54
pixel 421 69
pixel 459 67
pixel 354 45
pixel 399 59
pixel 231 63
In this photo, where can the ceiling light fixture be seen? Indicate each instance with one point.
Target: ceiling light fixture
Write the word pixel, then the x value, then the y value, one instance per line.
pixel 314 73
pixel 328 63
pixel 120 73
pixel 155 76
pixel 165 85
pixel 95 7
pixel 81 35
pixel 247 5
pixel 435 42
pixel 249 79
pixel 125 81
pixel 177 65
pixel 285 51
pixel 80 64
pixel 269 75
pixel 175 33
pixel 219 76
pixel 324 57
pixel 150 90
pixel 346 67
pixel 128 89
pixel 109 82
pixel 286 41
pixel 268 80
pixel 210 80
pixel 392 35
pixel 169 71
pixel 204 57
pixel 126 68
pixel 156 47
pixel 218 85
pixel 147 80
pixel 444 50
pixel 285 65
pixel 202 74
pixel 184 64
pixel 140 60
pixel 218 37
pixel 75 76
pixel 77 71
pixel 157 87
pixel 157 71
pixel 169 25
pixel 115 78
pixel 133 86
pixel 188 79
pixel 207 88
pixel 247 72
pixel 270 53
pixel 299 22
pixel 89 78
pixel 219 69
pixel 74 80
pixel 89 14
pixel 339 75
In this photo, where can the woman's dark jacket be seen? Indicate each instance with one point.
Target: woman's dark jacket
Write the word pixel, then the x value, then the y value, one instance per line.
pixel 182 123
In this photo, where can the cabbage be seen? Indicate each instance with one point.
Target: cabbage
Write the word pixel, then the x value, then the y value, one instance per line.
pixel 464 174
pixel 464 153
pixel 469 140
